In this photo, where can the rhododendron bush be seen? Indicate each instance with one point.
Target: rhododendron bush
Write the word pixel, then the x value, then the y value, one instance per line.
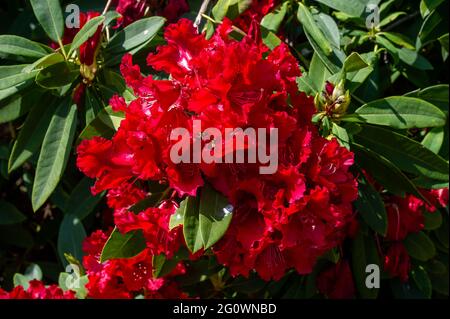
pixel 224 149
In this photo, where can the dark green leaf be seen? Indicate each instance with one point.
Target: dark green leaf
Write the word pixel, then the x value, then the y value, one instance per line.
pixel 404 152
pixel 191 223
pixel 49 15
pixel 70 238
pixel 81 202
pixel 12 45
pixel 58 75
pixel 9 214
pixel 215 216
pixel 123 245
pixel 55 152
pixel 401 113
pixel 420 246
pixel 86 32
pixel 370 206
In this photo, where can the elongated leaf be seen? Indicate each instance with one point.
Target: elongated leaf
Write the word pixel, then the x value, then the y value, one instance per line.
pixel 49 15
pixel 329 29
pixel 215 216
pixel 123 245
pixel 420 246
pixel 105 124
pixel 14 75
pixel 310 26
pixel 354 8
pixel 401 113
pixel 384 172
pixel 88 30
pixel 434 139
pixel 32 133
pixel 58 75
pixel 341 135
pixel 371 207
pixel 9 214
pixel 134 35
pixel 191 224
pixel 354 62
pixel 93 106
pixel 12 45
pixel 18 105
pixel 81 202
pixel 6 93
pixel 364 252
pixel 426 6
pixel 398 39
pixel 436 95
pixel 70 238
pixel 404 152
pixel 55 152
pixel 273 20
pixel 414 59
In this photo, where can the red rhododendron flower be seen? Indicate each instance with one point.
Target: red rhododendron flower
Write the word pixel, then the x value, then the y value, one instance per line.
pixel 37 290
pixel 281 221
pixel 397 261
pixel 133 10
pixel 124 278
pixel 336 282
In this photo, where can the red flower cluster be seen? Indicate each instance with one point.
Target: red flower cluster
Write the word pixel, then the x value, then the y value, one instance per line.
pixel 125 278
pixel 281 221
pixel 256 11
pixel 133 10
pixel 37 290
pixel 405 216
pixel 336 282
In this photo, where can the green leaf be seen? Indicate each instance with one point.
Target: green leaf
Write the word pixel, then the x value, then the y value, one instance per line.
pixel 355 8
pixel 434 139
pixel 93 106
pixel 88 30
pixel 434 26
pixel 420 246
pixel 191 224
pixel 18 105
pixel 105 124
pixel 432 220
pixel 444 41
pixel 398 39
pixel 404 152
pixel 110 16
pixel 384 172
pixel 55 152
pixel 123 245
pixel 436 95
pixel 81 201
pixel 70 237
pixel 401 113
pixel 390 18
pixel 50 17
pixel 310 26
pixel 12 46
pixel 230 8
pixel 414 59
pixel 6 93
pixel 426 6
pixel 31 134
pixel 364 252
pixel 12 75
pixel 354 62
pixel 58 75
pixel 163 266
pixel 134 35
pixel 370 206
pixel 215 216
pixel 9 214
pixel 341 135
pixel 329 29
pixel 273 20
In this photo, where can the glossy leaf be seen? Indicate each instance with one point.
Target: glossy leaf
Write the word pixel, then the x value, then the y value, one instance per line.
pixel 215 216
pixel 404 152
pixel 9 214
pixel 88 30
pixel 420 246
pixel 401 113
pixel 55 152
pixel 123 245
pixel 50 17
